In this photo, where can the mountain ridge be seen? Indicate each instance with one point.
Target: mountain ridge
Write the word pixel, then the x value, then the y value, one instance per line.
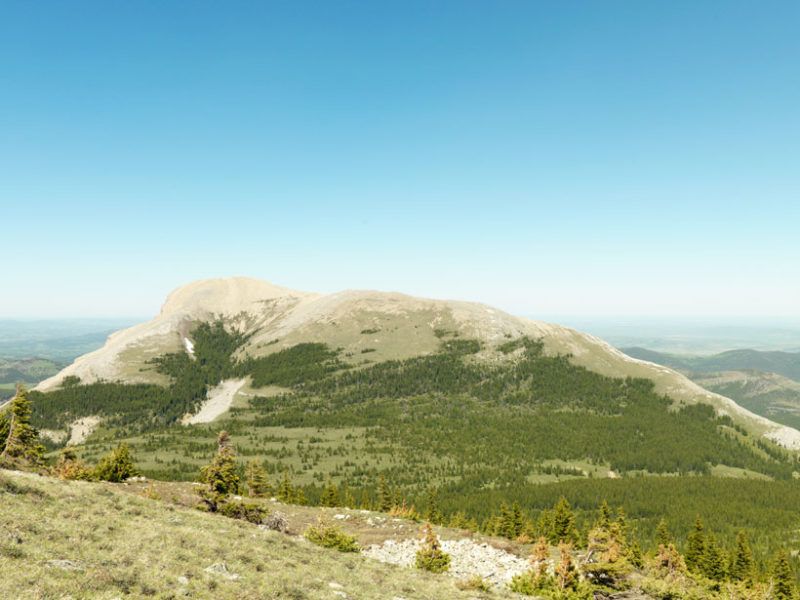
pixel 385 325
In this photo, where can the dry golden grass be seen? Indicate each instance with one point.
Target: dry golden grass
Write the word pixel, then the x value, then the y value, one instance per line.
pixel 96 540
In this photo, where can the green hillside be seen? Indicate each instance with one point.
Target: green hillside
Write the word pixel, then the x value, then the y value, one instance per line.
pixel 449 415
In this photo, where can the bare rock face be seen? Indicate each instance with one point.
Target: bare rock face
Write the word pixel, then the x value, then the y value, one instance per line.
pixel 388 325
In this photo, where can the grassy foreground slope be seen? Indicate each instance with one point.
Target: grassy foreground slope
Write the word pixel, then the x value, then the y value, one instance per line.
pixel 93 540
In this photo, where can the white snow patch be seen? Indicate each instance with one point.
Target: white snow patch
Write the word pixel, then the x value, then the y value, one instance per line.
pixel 220 398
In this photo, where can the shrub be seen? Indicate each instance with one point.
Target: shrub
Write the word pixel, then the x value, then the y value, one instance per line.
pixel 547 587
pixel 70 467
pixel 431 557
pixel 330 536
pixel 607 563
pixel 405 511
pixel 244 511
pixel 116 466
pixel 475 583
pixel 536 579
pixel 668 561
pixel 151 493
pixel 529 584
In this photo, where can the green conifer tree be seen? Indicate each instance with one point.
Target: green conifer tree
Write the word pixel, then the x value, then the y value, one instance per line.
pixel 663 536
pixel 606 560
pixel 117 466
pixel 635 554
pixel 286 491
pixel 544 524
pixel 397 498
pixel 503 522
pixel 563 523
pixel 257 481
pixel 346 496
pixel 330 495
pixel 713 560
pixel 604 520
pixel 458 520
pixel 517 522
pixel 221 475
pixel 695 547
pixel 783 583
pixel 621 523
pixel 430 556
pixel 741 565
pixel 5 422
pixel 20 439
pixel 432 512
pixel 384 495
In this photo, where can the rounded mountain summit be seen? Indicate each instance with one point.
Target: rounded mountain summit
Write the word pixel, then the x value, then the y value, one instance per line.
pixel 383 325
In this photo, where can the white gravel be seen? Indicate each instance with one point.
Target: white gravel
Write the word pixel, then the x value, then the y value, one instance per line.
pixel 219 401
pixel 467 559
pixel 82 429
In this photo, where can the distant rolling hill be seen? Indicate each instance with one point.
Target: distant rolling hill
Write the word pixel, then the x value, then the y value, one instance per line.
pixel 782 363
pixel 767 383
pixel 59 340
pixel 33 350
pixel 28 371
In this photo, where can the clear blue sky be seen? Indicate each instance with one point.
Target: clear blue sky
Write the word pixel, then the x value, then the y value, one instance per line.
pixel 637 158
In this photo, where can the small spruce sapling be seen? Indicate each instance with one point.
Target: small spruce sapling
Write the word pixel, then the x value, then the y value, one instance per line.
pixel 257 481
pixel 220 476
pixel 431 557
pixel 116 466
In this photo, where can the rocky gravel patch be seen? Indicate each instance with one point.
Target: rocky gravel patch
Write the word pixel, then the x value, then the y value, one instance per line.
pixel 467 559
